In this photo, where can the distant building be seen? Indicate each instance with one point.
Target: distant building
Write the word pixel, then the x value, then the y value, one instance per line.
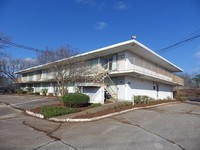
pixel 128 69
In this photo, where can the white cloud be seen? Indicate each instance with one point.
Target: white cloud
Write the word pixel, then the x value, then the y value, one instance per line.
pixel 101 25
pixel 87 2
pixel 197 54
pixel 120 5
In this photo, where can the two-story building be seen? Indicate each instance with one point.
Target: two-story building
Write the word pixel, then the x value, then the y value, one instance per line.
pixel 127 69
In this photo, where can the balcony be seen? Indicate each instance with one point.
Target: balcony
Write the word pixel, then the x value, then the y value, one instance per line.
pixel 34 78
pixel 144 69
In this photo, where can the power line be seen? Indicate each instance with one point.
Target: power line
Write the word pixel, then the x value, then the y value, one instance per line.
pixel 166 49
pixel 189 38
pixel 21 46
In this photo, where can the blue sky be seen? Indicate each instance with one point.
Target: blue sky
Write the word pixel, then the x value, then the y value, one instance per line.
pixel 92 24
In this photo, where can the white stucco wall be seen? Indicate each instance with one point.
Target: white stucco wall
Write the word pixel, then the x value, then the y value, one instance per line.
pixel 134 86
pixel 165 91
pixel 121 88
pixel 96 94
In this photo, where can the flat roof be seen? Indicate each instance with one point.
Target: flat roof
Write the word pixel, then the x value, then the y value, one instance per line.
pixel 131 45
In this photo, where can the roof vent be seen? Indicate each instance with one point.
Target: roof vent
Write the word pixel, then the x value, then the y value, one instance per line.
pixel 133 37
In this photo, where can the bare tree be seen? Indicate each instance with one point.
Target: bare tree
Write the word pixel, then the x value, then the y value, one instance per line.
pixel 60 67
pixel 196 80
pixel 65 69
pixel 8 67
pixel 50 55
pixel 65 72
pixel 187 79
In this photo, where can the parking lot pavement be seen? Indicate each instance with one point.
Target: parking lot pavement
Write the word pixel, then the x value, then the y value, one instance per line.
pixel 170 127
pixel 27 102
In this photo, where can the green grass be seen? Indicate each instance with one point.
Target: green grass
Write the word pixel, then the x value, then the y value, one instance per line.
pixel 94 105
pixel 52 111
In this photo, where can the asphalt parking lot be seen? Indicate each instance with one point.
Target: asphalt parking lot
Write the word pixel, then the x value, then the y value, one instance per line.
pixel 169 127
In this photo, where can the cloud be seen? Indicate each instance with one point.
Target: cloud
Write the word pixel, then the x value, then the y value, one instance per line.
pixel 197 54
pixel 120 5
pixel 101 25
pixel 87 2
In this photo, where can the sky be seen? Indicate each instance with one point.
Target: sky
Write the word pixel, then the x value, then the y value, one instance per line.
pixel 91 24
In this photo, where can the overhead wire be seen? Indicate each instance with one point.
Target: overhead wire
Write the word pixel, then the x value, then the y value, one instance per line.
pixel 189 38
pixel 21 46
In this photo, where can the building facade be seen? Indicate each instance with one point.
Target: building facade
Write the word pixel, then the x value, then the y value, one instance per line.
pixel 126 70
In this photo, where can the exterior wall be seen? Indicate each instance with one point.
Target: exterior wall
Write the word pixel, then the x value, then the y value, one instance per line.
pixel 136 86
pixel 140 87
pixel 127 86
pixel 121 88
pixel 96 94
pixel 130 62
pixel 165 91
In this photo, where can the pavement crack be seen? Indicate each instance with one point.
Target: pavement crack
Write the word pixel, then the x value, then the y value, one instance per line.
pixel 43 145
pixel 12 106
pixel 139 126
pixel 69 145
pixel 49 134
pixel 57 128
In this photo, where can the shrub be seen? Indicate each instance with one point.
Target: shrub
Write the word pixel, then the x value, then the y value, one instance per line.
pixel 142 99
pixel 126 103
pixel 75 99
pixel 44 92
pixel 19 91
pixel 29 90
pixel 137 99
pixel 169 98
pixel 37 93
pixel 50 94
pixel 24 92
pixel 145 99
pixel 95 105
pixel 182 98
pixel 51 111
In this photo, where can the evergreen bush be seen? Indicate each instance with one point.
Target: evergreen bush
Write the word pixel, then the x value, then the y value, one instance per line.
pixel 19 91
pixel 29 90
pixel 75 99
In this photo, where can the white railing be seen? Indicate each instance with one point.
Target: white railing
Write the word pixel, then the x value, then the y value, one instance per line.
pixel 31 78
pixel 135 64
pixel 144 67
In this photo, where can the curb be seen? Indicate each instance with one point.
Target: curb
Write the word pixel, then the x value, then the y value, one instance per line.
pixel 34 114
pixel 95 118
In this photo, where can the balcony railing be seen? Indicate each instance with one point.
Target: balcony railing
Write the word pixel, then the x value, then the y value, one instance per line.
pixel 135 64
pixel 34 78
pixel 144 67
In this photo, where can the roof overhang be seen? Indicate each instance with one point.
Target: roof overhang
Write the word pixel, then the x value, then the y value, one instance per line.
pixel 131 45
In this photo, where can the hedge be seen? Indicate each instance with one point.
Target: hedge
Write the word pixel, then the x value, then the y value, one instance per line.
pixel 75 99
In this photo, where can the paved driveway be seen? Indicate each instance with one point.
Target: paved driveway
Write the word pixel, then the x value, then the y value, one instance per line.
pixel 27 102
pixel 170 127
